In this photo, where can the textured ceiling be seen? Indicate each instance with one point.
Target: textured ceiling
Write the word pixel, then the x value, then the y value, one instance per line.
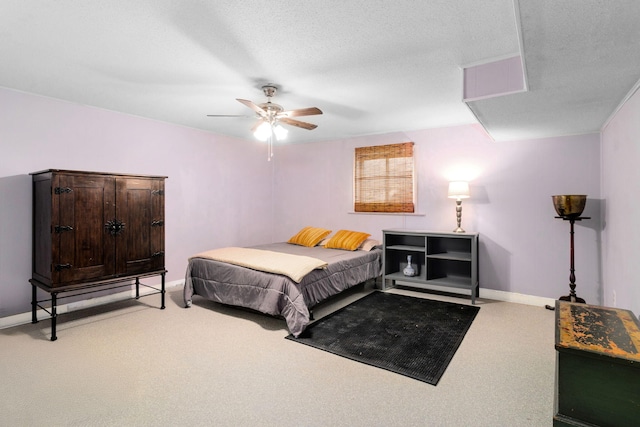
pixel 582 58
pixel 372 66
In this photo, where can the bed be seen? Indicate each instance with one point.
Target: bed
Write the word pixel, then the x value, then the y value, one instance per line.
pixel 278 294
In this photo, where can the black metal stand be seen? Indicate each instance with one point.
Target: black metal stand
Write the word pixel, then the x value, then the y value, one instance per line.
pixel 74 291
pixel 572 297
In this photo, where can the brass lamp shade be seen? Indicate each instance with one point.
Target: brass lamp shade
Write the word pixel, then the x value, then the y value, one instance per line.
pixel 569 206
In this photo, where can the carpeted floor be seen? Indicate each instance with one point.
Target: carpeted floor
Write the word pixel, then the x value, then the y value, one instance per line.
pixel 131 364
pixel 415 337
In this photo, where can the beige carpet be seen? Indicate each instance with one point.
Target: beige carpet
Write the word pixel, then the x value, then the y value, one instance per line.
pixel 129 363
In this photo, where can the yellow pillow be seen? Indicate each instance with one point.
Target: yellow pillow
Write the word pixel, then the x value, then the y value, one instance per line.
pixel 309 236
pixel 346 239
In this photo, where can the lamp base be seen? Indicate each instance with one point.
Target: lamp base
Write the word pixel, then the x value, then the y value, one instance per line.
pixel 459 230
pixel 572 298
pixel 568 298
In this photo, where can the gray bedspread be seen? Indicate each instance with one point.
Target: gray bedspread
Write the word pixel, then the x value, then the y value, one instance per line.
pixel 276 294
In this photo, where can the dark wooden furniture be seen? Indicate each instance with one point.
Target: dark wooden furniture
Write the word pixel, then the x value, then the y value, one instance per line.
pixel 94 231
pixel 441 259
pixel 598 366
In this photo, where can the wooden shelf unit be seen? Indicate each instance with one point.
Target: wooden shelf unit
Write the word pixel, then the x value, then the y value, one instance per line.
pixel 441 258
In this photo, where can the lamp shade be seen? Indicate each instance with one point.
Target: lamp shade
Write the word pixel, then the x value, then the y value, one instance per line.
pixel 280 132
pixel 458 190
pixel 263 132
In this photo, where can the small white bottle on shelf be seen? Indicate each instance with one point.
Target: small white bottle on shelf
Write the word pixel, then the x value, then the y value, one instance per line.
pixel 409 271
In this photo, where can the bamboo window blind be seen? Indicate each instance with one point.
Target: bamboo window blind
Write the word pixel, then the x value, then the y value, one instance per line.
pixel 384 178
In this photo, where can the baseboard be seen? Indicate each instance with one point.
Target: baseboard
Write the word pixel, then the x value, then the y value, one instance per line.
pixel 493 295
pixel 23 318
pixel 517 298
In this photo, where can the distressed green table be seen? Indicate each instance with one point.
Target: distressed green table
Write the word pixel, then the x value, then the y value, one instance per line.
pixel 597 366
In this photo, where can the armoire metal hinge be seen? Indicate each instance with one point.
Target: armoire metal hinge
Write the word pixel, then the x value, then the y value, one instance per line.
pixel 158 192
pixel 60 267
pixel 158 223
pixel 61 228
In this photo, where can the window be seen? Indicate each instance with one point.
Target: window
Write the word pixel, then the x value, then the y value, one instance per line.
pixel 383 178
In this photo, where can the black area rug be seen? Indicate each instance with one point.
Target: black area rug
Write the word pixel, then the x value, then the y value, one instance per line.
pixel 411 336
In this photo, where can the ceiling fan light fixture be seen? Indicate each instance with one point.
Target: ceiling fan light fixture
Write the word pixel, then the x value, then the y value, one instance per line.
pixel 263 132
pixel 280 132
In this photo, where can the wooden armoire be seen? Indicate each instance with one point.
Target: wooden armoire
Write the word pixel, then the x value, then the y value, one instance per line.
pixel 93 231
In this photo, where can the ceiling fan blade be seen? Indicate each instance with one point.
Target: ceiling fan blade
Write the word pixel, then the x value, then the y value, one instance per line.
pixel 253 106
pixel 297 123
pixel 311 111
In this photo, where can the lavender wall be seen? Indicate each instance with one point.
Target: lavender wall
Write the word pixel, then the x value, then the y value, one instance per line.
pixel 620 188
pixel 222 192
pixel 523 248
pixel 219 190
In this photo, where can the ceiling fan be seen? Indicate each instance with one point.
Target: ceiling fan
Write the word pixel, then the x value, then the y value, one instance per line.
pixel 272 113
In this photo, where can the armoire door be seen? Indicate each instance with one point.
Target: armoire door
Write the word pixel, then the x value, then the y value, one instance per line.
pixel 81 250
pixel 140 208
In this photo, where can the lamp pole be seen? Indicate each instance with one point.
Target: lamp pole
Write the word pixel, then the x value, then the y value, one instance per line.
pixel 572 297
